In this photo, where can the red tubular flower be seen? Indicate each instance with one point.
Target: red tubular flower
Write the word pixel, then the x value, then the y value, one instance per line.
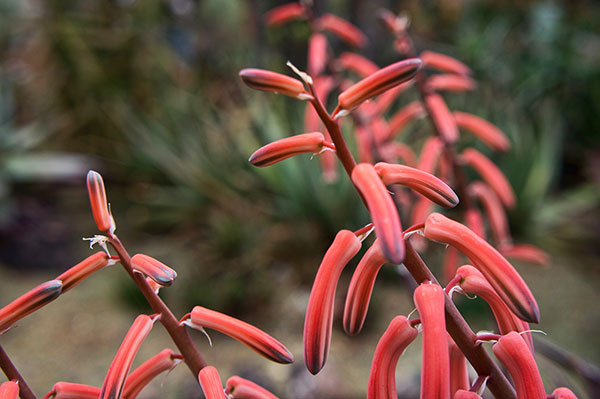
pixel 342 29
pixel 357 63
pixel 383 211
pixel 403 117
pixel 514 354
pixel 156 270
pixel 526 253
pixel 319 313
pixel 241 388
pixel 254 338
pixel 9 390
pixel 563 393
pixel 444 63
pixel 378 82
pixel 288 147
pixel 422 182
pixel 317 53
pixel 364 144
pixel 82 270
pixel 260 79
pixel 29 302
pixel 464 394
pixel 473 282
pixel 165 360
pixel 474 221
pixel 430 154
pixel 449 82
pixel 435 371
pixel 387 98
pixel 442 117
pixel 285 13
pixel 499 273
pixel 494 210
pixel 97 194
pixel 112 388
pixel 70 390
pixel 361 288
pixel 459 373
pixel 393 151
pixel 483 130
pixel 211 384
pixel 393 342
pixel 491 174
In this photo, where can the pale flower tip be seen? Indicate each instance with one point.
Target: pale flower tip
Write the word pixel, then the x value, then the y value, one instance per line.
pixel 303 75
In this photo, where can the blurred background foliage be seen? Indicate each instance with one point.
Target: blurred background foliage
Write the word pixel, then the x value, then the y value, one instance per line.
pixel 147 93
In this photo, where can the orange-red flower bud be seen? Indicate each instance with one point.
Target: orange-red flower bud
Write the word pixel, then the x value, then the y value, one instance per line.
pixel 241 388
pixel 393 151
pixel 260 79
pixel 287 12
pixel 383 211
pixel 563 393
pixel 97 194
pixel 70 390
pixel 393 342
pixel 422 182
pixel 112 388
pixel 444 63
pixel 430 154
pixel 254 338
pixel 288 147
pixel 378 82
pixel 156 270
pixel 357 63
pixel 494 210
pixel 514 354
pixel 449 82
pixel 342 29
pixel 491 174
pixel 435 371
pixel 82 270
pixel 525 252
pixel 29 302
pixel 317 53
pixel 211 384
pixel 474 221
pixel 387 98
pixel 483 130
pixel 165 360
pixel 459 373
pixel 496 269
pixel 9 390
pixel 442 117
pixel 319 313
pixel 403 117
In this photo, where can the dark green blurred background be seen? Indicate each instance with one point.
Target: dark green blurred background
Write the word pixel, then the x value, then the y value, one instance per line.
pixel 147 93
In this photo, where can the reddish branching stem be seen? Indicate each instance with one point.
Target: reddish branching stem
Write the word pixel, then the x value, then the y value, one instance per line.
pixel 12 373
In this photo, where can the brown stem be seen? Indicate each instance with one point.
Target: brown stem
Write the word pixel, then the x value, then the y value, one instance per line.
pixel 178 332
pixel 12 373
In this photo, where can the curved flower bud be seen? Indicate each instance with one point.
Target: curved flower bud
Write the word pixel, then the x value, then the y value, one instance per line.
pixel 442 118
pixel 435 371
pixel 474 221
pixel 319 313
pixel 499 273
pixel 254 338
pixel 70 390
pixel 393 342
pixel 211 384
pixel 494 210
pixel 29 303
pixel 9 390
pixel 82 270
pixel 514 354
pixel 241 388
pixel 287 12
pixel 464 394
pixel 422 182
pixel 356 63
pixel 403 117
pixel 444 63
pixel 260 79
pixel 380 81
pixel 361 288
pixel 449 82
pixel 288 147
pixel 430 154
pixel 491 174
pixel 112 388
pixel 342 29
pixel 317 53
pixel 483 130
pixel 563 393
pixel 97 194
pixel 525 252
pixel 156 270
pixel 383 211
pixel 459 373
pixel 165 360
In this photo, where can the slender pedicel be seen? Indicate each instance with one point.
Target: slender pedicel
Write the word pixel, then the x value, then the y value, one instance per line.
pixel 442 117
pixel 449 82
pixel 165 360
pixel 156 270
pixel 513 352
pixel 9 390
pixel 377 83
pixel 241 388
pixel 356 63
pixel 483 130
pixel 29 302
pixel 435 371
pixel 402 118
pixel 260 79
pixel 319 313
pixel 211 384
pixel 70 390
pixel 444 63
pixel 496 269
pixel 254 338
pixel 307 143
pixel 383 211
pixel 496 215
pixel 422 182
pixel 114 382
pixel 491 174
pixel 459 373
pixel 342 29
pixel 562 393
pixel 285 13
pixel 97 194
pixel 317 53
pixel 382 382
pixel 83 269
